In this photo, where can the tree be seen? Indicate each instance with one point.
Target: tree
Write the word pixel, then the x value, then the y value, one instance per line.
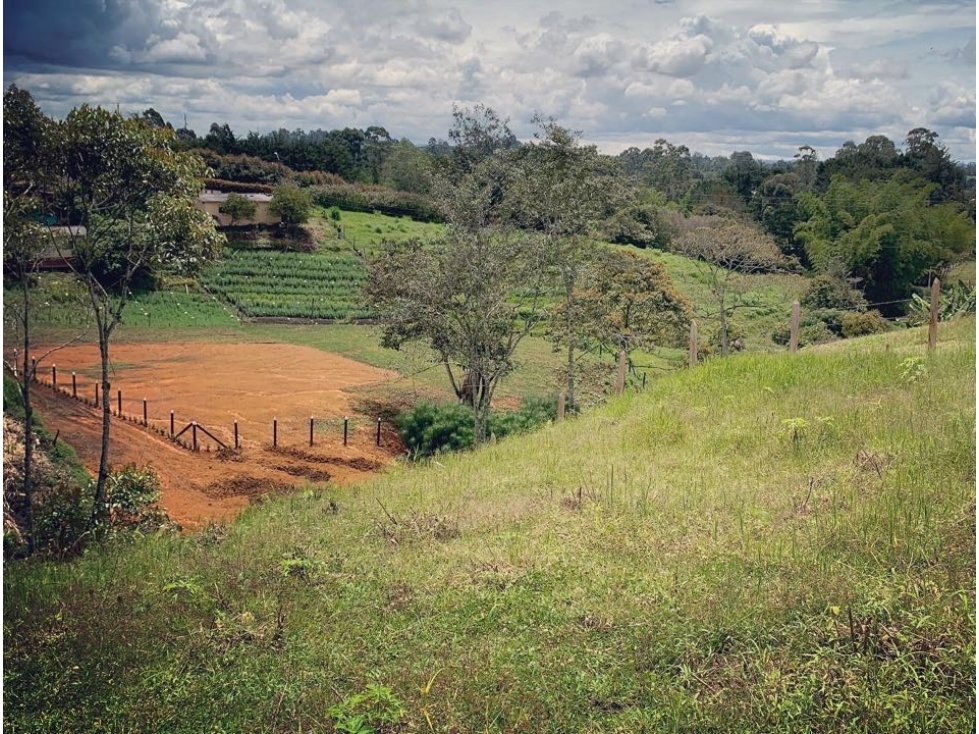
pixel 744 174
pixel 725 254
pixel 377 147
pixel 630 303
pixel 238 207
pixel 291 203
pixel 408 168
pixel 131 196
pixel 220 139
pixel 562 191
pixel 476 135
pixel 807 166
pixel 24 131
pixel 885 233
pixel 471 296
pixel 777 209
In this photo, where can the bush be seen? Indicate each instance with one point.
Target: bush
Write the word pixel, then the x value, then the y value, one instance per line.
pixel 428 428
pixel 862 324
pixel 810 332
pixel 832 290
pixel 363 198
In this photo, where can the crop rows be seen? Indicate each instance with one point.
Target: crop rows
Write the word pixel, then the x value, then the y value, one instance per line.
pixel 325 285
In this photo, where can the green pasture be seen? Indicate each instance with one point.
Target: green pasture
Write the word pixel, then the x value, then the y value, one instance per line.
pixel 767 543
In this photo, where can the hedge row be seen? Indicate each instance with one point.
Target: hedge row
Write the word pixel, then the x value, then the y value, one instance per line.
pixel 363 198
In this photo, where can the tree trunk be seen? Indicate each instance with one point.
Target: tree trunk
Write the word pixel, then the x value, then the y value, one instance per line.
pixel 99 499
pixel 569 310
pixel 26 376
pixel 725 347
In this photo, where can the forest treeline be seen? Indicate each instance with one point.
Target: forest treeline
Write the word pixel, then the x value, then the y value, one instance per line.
pixel 887 213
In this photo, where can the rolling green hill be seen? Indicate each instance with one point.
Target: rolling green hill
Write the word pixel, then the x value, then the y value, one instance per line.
pixel 767 543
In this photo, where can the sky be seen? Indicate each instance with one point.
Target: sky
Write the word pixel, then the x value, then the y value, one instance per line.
pixel 717 76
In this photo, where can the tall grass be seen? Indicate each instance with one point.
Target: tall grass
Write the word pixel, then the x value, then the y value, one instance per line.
pixel 765 543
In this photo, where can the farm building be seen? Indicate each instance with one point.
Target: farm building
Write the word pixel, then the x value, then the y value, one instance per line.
pixel 211 201
pixel 57 253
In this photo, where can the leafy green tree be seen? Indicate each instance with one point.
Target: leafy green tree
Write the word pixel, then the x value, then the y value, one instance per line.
pixel 220 139
pixel 744 174
pixel 238 207
pixel 123 182
pixel 725 254
pixel 561 190
pixel 25 129
pixel 885 232
pixel 291 203
pixel 776 208
pixel 408 168
pixel 476 135
pixel 471 296
pixel 631 303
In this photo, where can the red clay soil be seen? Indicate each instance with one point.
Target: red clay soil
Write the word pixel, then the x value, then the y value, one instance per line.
pixel 215 385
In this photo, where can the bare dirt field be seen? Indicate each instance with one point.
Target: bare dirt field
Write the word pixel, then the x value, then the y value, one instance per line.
pixel 216 385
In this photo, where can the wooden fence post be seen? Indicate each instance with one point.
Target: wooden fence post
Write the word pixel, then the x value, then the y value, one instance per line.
pixel 561 398
pixel 345 426
pixel 275 432
pixel 54 376
pixel 620 377
pixel 236 435
pixel 692 349
pixel 794 334
pixel 119 395
pixel 96 394
pixel 146 418
pixel 310 430
pixel 936 287
pixel 193 433
pixel 378 431
pixel 74 386
pixel 171 424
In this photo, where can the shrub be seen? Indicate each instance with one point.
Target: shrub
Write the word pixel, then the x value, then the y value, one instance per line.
pixel 832 290
pixel 427 427
pixel 363 198
pixel 863 323
pixel 812 331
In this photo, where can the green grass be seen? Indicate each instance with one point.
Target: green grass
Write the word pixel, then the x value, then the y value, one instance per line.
pixel 768 543
pixel 766 303
pixel 314 285
pixel 366 232
pixel 60 305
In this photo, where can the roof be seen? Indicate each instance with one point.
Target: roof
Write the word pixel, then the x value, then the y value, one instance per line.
pixel 73 231
pixel 222 196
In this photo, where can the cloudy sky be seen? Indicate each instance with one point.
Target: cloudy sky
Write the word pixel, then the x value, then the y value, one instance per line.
pixel 715 75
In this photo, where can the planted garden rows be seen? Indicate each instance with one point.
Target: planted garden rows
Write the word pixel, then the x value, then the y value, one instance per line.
pixel 323 285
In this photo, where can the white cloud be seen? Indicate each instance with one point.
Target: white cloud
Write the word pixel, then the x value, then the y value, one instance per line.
pixel 619 70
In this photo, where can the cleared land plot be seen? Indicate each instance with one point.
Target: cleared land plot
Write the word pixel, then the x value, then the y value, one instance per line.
pixel 215 385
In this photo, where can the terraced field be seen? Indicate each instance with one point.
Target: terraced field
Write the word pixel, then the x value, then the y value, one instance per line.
pixel 267 283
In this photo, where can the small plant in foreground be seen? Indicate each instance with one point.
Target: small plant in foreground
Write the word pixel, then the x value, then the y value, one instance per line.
pixel 367 712
pixel 913 369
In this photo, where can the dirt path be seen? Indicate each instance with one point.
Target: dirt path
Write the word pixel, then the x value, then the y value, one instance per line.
pixel 216 385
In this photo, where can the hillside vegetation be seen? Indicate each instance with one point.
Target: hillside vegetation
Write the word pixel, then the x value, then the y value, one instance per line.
pixel 765 543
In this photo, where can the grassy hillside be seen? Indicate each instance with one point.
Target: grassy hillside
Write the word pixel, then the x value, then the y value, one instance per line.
pixel 766 543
